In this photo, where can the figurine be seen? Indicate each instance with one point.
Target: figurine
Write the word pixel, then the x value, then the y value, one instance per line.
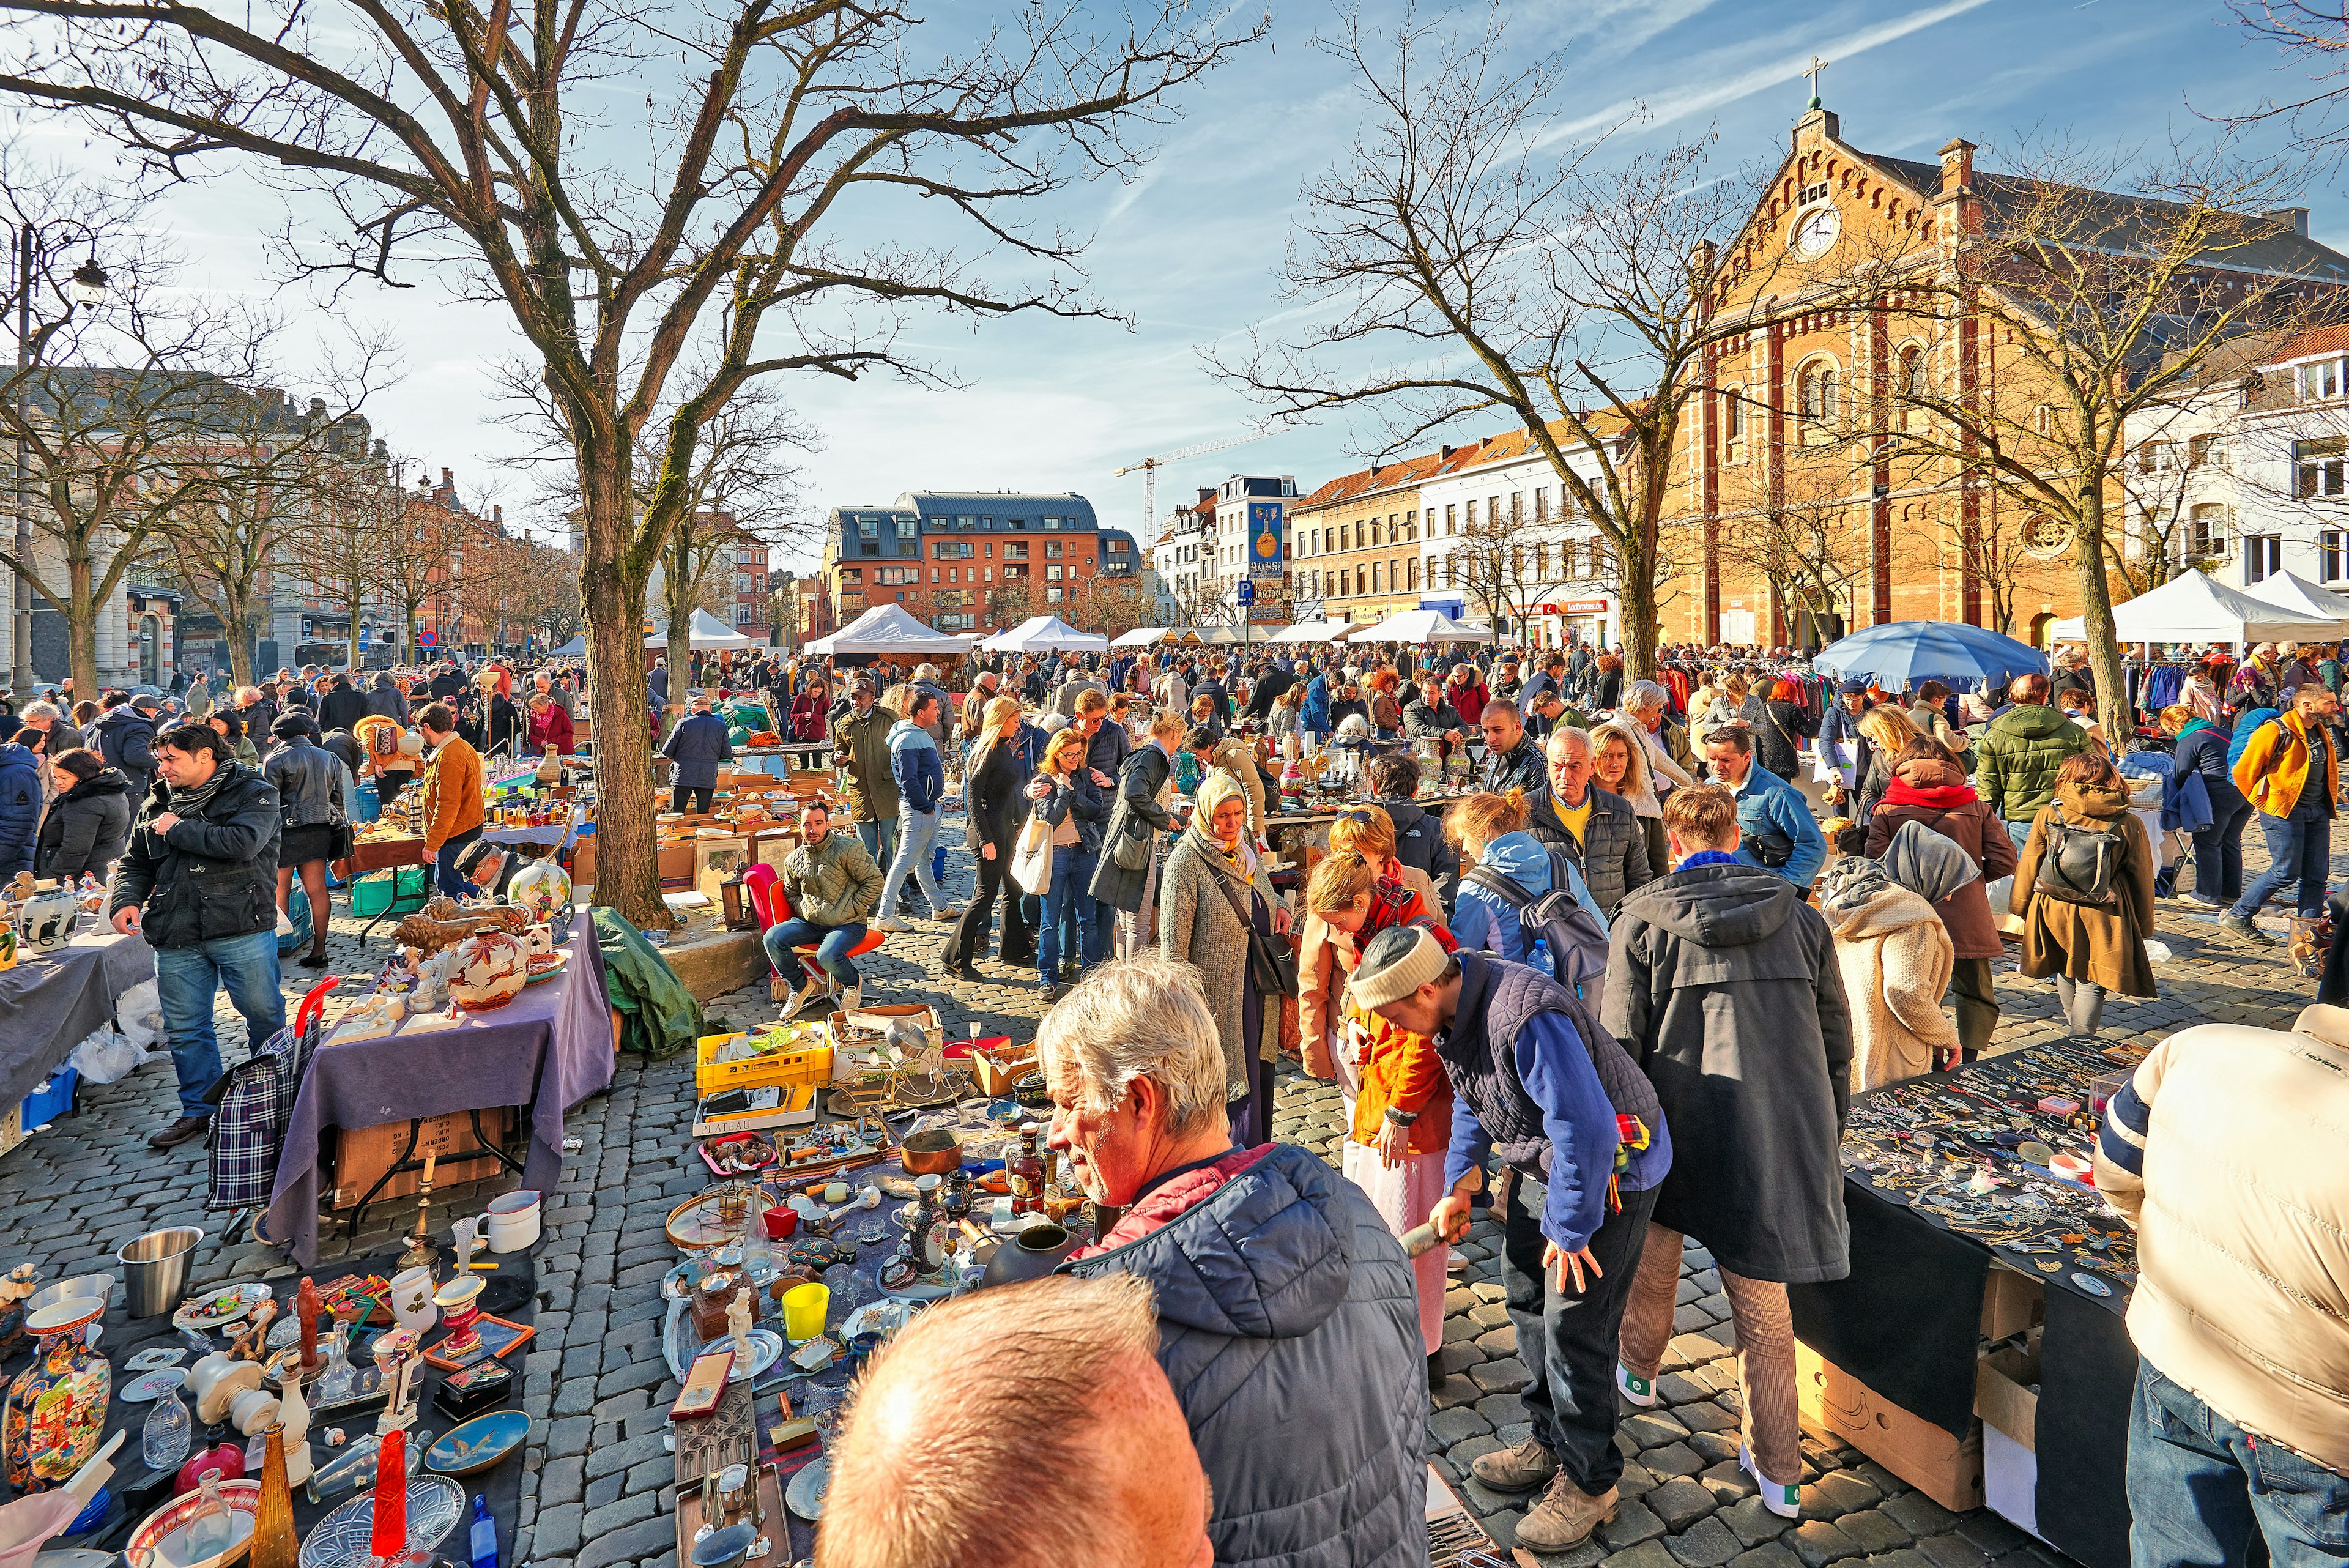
pixel 396 1359
pixel 738 1317
pixel 308 1307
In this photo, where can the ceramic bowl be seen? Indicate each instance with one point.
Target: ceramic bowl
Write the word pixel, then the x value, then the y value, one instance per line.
pixel 244 1500
pixel 932 1153
pixel 478 1444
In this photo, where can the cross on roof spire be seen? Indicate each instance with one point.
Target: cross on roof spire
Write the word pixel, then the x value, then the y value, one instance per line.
pixel 1812 71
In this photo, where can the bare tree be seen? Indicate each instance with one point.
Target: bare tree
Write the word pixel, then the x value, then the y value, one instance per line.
pixel 1799 537
pixel 425 559
pixel 2113 295
pixel 712 235
pixel 1479 265
pixel 343 551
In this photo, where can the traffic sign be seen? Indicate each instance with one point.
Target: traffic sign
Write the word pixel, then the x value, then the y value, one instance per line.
pixel 1246 593
pixel 426 637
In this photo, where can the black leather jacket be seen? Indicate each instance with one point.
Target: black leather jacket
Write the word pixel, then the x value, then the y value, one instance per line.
pixel 215 876
pixel 308 782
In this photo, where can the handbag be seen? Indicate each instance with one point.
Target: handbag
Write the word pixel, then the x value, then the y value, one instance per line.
pixel 1129 840
pixel 1272 965
pixel 1031 856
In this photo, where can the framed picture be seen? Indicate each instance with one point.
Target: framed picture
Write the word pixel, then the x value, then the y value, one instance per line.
pixel 723 857
pixel 493 1335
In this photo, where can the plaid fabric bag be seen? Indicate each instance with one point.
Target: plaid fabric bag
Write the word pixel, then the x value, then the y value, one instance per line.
pixel 255 1106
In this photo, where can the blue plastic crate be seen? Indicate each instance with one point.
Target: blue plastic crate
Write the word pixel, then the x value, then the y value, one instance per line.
pixel 51 1100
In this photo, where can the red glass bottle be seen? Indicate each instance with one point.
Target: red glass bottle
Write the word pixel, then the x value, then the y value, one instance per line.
pixel 1024 1174
pixel 222 1456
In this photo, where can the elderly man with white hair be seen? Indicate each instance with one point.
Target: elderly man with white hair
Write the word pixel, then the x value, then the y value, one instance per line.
pixel 1284 1304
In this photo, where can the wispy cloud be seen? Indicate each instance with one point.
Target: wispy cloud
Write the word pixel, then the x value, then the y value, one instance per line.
pixel 1663 109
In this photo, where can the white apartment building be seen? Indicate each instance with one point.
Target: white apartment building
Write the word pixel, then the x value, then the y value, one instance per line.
pixel 2252 479
pixel 1556 575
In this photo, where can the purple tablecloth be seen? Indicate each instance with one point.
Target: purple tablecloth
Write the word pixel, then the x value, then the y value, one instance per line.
pixel 548 1049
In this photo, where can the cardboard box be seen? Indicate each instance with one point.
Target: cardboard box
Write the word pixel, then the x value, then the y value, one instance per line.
pixel 2012 1302
pixel 2005 1396
pixel 362 1153
pixel 1946 1468
pixel 998 1070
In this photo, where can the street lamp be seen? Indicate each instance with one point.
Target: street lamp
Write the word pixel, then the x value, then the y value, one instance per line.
pixel 88 284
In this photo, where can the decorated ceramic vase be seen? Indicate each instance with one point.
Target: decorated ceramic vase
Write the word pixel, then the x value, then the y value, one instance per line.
pixel 490 970
pixel 46 919
pixel 57 1406
pixel 7 945
pixel 539 889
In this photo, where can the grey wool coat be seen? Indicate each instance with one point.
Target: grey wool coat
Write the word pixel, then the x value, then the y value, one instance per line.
pixel 1198 925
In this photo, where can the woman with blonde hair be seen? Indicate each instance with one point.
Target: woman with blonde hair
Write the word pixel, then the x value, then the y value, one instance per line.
pixel 1887 731
pixel 1218 912
pixel 1511 867
pixel 1368 830
pixel 1397 1096
pixel 994 795
pixel 1620 765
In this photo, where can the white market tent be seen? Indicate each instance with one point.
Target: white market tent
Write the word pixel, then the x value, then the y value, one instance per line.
pixel 1141 637
pixel 2198 607
pixel 575 648
pixel 1045 634
pixel 888 628
pixel 1415 626
pixel 707 631
pixel 2300 597
pixel 1315 631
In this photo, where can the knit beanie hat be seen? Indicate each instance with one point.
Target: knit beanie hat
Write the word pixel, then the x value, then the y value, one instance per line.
pixel 1399 960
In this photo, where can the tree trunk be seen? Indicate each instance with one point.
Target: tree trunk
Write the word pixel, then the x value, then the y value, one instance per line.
pixel 627 871
pixel 81 628
pixel 2096 623
pixel 1635 575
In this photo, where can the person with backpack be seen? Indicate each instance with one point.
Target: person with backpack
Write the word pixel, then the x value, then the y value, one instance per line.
pixel 1725 991
pixel 2084 891
pixel 2277 773
pixel 1518 891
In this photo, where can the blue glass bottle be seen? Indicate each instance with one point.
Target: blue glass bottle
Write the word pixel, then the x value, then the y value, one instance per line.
pixel 485 1534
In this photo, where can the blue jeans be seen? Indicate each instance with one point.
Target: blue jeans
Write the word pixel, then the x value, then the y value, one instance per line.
pixel 915 832
pixel 2199 1486
pixel 2300 849
pixel 2020 831
pixel 1070 898
pixel 831 943
pixel 186 980
pixel 446 878
pixel 880 841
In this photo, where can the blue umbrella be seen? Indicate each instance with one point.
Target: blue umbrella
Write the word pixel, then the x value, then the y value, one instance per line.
pixel 1907 651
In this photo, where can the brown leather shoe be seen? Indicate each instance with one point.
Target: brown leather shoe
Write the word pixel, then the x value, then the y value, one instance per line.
pixel 1521 1469
pixel 179 1132
pixel 1564 1517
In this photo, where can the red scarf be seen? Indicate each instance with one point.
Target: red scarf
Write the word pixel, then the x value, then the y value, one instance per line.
pixel 1937 797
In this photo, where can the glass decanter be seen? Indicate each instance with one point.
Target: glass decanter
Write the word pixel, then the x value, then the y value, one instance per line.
pixel 335 1379
pixel 210 1531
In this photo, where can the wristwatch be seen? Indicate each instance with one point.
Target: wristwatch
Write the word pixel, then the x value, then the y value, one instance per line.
pixel 1402 1118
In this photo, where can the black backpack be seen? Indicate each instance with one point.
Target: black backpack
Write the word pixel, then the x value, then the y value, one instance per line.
pixel 2080 865
pixel 1576 939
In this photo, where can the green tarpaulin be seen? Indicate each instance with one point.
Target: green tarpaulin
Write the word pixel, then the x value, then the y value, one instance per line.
pixel 658 1017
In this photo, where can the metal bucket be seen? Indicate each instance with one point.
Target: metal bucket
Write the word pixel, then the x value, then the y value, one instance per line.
pixel 155 1269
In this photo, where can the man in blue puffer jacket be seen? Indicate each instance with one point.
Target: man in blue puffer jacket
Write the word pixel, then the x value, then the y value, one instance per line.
pixel 1287 1319
pixel 921 788
pixel 1313 708
pixel 20 807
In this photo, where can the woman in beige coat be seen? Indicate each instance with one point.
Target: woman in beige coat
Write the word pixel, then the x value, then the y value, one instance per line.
pixel 2092 949
pixel 1895 959
pixel 1213 874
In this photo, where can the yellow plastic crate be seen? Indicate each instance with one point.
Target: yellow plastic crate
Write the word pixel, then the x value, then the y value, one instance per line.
pixel 809 1065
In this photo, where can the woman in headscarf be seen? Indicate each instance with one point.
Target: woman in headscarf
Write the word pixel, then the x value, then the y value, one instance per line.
pixel 1896 955
pixel 1213 875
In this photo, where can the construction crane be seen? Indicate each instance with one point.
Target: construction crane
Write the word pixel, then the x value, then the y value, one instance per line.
pixel 1149 467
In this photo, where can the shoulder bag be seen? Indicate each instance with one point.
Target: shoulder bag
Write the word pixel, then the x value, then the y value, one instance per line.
pixel 1270 963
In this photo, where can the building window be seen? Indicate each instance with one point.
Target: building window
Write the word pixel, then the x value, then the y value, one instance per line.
pixel 2318 468
pixel 2328 557
pixel 868 549
pixel 1052 523
pixel 1472 517
pixel 1541 562
pixel 1541 502
pixel 1054 595
pixel 2206 533
pixel 1451 573
pixel 2262 557
pixel 1052 572
pixel 1517 506
pixel 2321 379
pixel 1816 392
pixel 2205 449
pixel 868 528
pixel 908 528
pixel 1566 559
pixel 1052 549
pixel 1732 425
pixel 1449 519
pixel 1411 573
pixel 1015 550
pixel 966 522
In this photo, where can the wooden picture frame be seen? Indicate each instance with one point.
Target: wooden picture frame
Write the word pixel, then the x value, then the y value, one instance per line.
pixel 494 1336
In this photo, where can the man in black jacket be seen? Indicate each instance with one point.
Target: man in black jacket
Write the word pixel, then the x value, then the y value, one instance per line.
pixel 199 881
pixel 1513 760
pixel 385 697
pixel 341 707
pixel 1419 835
pixel 125 737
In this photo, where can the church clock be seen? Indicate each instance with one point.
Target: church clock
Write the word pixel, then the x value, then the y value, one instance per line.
pixel 1815 232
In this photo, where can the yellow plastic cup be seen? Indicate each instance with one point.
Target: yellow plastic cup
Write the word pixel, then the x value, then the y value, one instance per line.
pixel 804 1310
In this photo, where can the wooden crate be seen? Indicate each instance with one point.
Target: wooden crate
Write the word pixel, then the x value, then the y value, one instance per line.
pixel 362 1153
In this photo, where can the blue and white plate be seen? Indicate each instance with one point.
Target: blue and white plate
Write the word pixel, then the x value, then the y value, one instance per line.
pixel 478 1444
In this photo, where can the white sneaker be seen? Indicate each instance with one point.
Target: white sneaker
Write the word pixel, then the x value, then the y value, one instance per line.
pixel 851 998
pixel 951 912
pixel 889 923
pixel 1785 1501
pixel 1639 1390
pixel 805 994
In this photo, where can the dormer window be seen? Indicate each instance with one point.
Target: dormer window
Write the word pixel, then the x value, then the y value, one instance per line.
pixel 2319 380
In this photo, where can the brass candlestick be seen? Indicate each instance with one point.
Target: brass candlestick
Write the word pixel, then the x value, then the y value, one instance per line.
pixel 421 1252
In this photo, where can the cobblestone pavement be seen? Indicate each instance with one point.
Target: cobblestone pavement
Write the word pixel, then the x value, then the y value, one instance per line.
pixel 591 1495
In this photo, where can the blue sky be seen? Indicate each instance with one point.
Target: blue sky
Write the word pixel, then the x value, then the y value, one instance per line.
pixel 1190 250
